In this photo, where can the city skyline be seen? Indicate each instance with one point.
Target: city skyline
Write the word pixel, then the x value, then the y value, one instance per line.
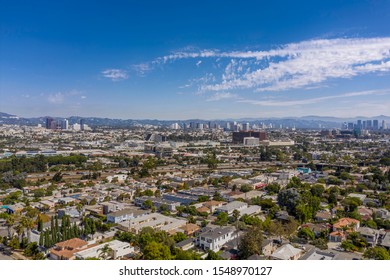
pixel 181 61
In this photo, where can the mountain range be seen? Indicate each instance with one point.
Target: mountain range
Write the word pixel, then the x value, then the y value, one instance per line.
pixel 298 122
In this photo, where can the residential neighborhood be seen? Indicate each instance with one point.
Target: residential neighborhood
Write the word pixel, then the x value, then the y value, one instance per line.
pixel 152 192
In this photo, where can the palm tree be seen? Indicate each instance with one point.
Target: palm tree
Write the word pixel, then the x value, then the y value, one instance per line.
pixel 106 252
pixel 20 231
pixel 9 223
pixel 28 224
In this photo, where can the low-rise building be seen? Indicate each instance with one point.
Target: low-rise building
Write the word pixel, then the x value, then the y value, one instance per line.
pixel 287 252
pixel 157 202
pixel 118 250
pixel 153 220
pixel 125 215
pixel 230 207
pixel 65 250
pixel 371 235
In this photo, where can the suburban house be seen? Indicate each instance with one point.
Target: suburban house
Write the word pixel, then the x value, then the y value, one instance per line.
pixel 157 202
pixel 251 210
pixel 189 229
pixel 72 212
pixel 287 252
pixel 323 216
pixel 214 238
pixel 65 250
pixel 315 254
pixel 185 244
pixel 268 247
pixel 365 213
pixel 317 229
pixel 213 205
pixel 371 235
pixel 112 206
pixel 230 207
pixel 124 215
pixel 337 236
pixel 346 224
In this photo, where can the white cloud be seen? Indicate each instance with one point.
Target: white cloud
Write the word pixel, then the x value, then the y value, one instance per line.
pixel 288 103
pixel 83 97
pixel 143 68
pixel 115 74
pixel 293 66
pixel 222 95
pixel 199 63
pixel 57 98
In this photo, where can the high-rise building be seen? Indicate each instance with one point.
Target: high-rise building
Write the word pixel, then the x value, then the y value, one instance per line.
pixel 82 124
pixel 364 126
pixel 245 126
pixel 369 124
pixel 375 124
pixel 359 124
pixel 48 122
pixel 384 125
pixel 65 124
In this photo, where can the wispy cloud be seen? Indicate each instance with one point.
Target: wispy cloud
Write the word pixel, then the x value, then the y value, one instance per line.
pixel 143 68
pixel 313 100
pixel 222 95
pixel 56 98
pixel 292 66
pixel 115 74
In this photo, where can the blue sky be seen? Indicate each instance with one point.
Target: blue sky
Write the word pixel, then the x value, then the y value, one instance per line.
pixel 195 59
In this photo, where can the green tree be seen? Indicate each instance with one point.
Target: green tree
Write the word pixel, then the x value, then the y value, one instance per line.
pixel 147 204
pixel 105 252
pixel 272 188
pixel 377 253
pixel 57 177
pixel 186 255
pixel 246 188
pixel 251 242
pixel 14 243
pixel 179 236
pixel 306 233
pixel 222 219
pixel 10 222
pixel 28 224
pixel 156 251
pixel 211 255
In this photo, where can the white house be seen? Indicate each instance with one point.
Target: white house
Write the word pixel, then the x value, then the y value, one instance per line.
pixel 118 250
pixel 214 238
pixel 230 207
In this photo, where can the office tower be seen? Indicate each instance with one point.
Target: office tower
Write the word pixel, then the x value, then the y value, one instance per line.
pixel 359 124
pixel 65 124
pixel 82 124
pixel 375 124
pixel 384 126
pixel 245 126
pixel 369 124
pixel 350 125
pixel 48 122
